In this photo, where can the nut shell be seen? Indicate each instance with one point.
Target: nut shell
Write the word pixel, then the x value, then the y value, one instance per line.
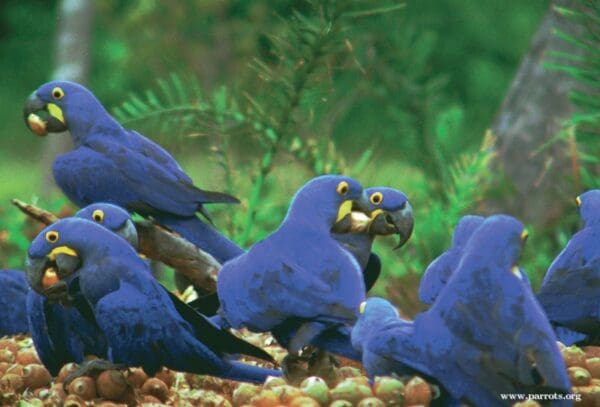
pixel 579 376
pixel 417 391
pixel 65 371
pixel 593 366
pixel 84 387
pixel 574 356
pixel 11 383
pixel 167 376
pixel 36 376
pixel 136 377
pixel 49 278
pixel 157 388
pixel 371 402
pixel 10 344
pixel 7 356
pixel 303 401
pixel 112 385
pixel 244 393
pixel 390 390
pixel 27 357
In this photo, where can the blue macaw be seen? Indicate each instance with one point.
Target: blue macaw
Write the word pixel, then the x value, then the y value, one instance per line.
pixel 298 279
pixel 62 334
pixel 13 293
pixel 569 293
pixel 485 335
pixel 391 213
pixel 112 164
pixel 439 271
pixel 143 323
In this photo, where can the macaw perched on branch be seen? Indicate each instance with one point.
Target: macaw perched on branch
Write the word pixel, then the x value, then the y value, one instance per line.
pixel 570 292
pixel 484 336
pixel 144 325
pixel 110 163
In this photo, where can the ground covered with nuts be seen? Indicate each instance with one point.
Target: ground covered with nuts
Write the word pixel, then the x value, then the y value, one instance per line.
pixel 25 382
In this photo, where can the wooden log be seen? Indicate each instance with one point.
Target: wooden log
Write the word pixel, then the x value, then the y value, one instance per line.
pixel 158 244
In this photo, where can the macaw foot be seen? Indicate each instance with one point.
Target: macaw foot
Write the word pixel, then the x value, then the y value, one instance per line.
pixel 92 368
pixel 293 368
pixel 323 364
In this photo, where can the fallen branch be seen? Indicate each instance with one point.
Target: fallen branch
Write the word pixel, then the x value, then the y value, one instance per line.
pixel 157 244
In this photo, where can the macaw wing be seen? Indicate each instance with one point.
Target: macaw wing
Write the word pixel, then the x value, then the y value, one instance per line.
pixel 218 340
pixel 435 277
pixel 398 342
pixel 50 348
pixel 570 296
pixel 305 294
pixel 108 171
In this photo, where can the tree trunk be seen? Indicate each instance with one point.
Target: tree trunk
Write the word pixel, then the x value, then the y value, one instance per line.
pixel 72 62
pixel 531 115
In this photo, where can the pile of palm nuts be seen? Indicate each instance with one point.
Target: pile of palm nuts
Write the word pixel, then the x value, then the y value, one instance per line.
pixel 24 378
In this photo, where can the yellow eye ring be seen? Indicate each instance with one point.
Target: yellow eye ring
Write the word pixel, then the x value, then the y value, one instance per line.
pixel 52 236
pixel 524 235
pixel 578 201
pixel 58 93
pixel 362 307
pixel 342 188
pixel 376 198
pixel 98 215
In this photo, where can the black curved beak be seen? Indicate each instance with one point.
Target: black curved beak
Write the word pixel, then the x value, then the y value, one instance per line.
pixel 46 274
pixel 129 233
pixel 400 222
pixel 39 119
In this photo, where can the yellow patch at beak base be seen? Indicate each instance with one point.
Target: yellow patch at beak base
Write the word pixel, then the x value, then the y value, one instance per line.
pixel 56 111
pixel 345 209
pixel 61 250
pixel 517 273
pixel 578 201
pixel 362 307
pixel 524 234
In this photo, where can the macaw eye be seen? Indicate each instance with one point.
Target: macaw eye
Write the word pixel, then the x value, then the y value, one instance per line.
pixel 524 235
pixel 362 307
pixel 98 215
pixel 52 236
pixel 57 93
pixel 342 188
pixel 376 198
pixel 578 201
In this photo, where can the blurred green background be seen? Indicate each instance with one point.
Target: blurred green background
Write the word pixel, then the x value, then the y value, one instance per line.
pixel 395 96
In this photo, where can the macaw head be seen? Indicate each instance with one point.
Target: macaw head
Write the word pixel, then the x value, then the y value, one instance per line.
pixel 371 314
pixel 498 241
pixel 112 217
pixel 66 247
pixel 464 229
pixel 391 213
pixel 326 200
pixel 58 106
pixel 589 206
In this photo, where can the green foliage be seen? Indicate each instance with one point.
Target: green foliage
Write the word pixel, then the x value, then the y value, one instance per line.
pixel 583 128
pixel 435 219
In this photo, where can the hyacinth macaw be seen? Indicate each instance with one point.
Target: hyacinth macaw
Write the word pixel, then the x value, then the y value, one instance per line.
pixel 569 293
pixel 110 163
pixel 144 325
pixel 485 335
